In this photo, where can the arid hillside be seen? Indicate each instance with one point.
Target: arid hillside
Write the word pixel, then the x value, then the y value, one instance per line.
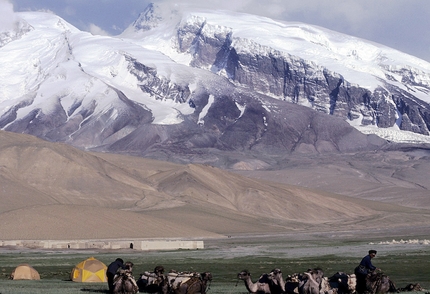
pixel 54 191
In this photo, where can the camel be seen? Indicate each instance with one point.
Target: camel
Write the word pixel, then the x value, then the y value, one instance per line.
pixel 352 283
pixel 194 285
pixel 311 282
pixel 154 282
pixel 292 283
pixel 175 279
pixel 341 283
pixel 124 282
pixel 412 287
pixel 277 283
pixel 378 283
pixel 259 287
pixel 327 288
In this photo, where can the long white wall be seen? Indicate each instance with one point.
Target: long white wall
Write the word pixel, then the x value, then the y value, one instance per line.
pixel 139 244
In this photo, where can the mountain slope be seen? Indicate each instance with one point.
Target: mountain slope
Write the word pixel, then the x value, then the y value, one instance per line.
pixel 331 72
pixel 48 186
pixel 195 86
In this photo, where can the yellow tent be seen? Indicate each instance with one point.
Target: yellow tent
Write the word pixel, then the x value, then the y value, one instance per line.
pixel 25 271
pixel 89 270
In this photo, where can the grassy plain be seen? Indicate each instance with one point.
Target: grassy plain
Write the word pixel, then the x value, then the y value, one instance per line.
pixel 404 263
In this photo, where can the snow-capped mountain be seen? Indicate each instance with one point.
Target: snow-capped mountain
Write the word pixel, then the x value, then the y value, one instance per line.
pixel 363 82
pixel 179 81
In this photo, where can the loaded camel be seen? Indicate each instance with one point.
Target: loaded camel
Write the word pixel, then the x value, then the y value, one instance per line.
pixel 378 282
pixel 175 278
pixel 277 283
pixel 292 283
pixel 124 282
pixel 189 283
pixel 260 287
pixel 412 287
pixel 345 283
pixel 154 282
pixel 342 283
pixel 339 283
pixel 311 281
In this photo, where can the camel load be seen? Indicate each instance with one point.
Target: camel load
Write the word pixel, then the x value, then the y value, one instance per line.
pixel 174 282
pixel 176 279
pixel 189 282
pixel 311 281
pixel 153 282
pixel 339 283
pixel 411 287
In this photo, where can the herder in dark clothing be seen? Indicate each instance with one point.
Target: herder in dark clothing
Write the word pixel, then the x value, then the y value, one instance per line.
pixel 111 271
pixel 363 269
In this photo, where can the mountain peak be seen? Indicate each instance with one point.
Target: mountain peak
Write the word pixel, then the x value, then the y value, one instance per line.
pixel 153 15
pixel 18 29
pixel 148 19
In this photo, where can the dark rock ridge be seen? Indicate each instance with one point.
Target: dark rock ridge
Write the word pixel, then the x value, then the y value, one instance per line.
pixel 296 80
pixel 272 129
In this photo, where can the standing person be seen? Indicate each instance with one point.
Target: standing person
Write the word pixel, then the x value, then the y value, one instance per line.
pixel 111 271
pixel 363 269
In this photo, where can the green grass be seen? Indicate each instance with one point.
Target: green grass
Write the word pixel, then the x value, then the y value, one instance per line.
pixel 403 266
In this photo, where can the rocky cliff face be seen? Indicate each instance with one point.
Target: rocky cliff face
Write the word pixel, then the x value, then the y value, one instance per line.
pixel 291 78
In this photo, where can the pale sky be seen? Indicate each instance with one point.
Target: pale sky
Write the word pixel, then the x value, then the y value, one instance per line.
pixel 400 24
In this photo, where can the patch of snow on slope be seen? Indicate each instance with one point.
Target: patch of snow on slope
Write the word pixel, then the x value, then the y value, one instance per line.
pixel 417 91
pixel 241 108
pixel 205 110
pixel 394 134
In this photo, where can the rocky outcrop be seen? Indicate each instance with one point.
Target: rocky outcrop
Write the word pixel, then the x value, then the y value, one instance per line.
pixel 158 87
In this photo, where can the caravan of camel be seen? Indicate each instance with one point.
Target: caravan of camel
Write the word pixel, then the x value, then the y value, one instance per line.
pixel 312 281
pixel 158 282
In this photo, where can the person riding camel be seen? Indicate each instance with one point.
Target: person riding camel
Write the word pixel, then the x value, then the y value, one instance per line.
pixel 363 269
